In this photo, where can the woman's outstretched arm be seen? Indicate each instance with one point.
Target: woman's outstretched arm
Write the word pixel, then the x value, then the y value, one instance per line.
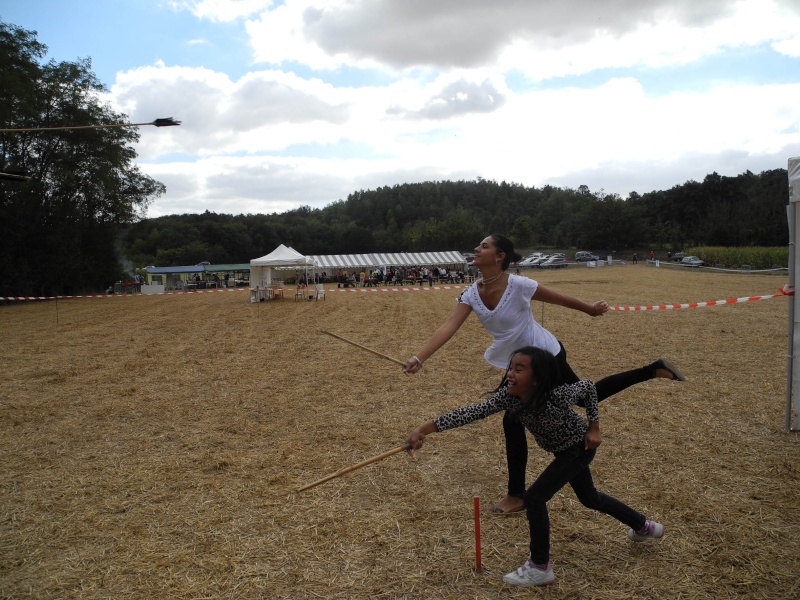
pixel 439 338
pixel 595 309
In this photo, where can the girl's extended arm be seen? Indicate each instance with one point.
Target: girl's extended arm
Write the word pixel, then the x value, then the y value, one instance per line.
pixel 439 338
pixel 495 403
pixel 595 309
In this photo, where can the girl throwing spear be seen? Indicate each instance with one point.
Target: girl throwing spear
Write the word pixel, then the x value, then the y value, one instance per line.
pixel 531 388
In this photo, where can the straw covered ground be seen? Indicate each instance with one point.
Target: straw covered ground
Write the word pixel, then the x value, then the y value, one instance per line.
pixel 152 447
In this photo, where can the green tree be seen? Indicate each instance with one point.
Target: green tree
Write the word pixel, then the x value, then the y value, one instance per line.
pixel 58 231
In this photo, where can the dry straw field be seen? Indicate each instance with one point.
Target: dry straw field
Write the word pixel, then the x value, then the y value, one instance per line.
pixel 152 448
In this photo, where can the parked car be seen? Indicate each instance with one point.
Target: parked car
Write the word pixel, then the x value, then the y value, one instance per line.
pixel 530 261
pixel 677 257
pixel 537 262
pixel 554 262
pixel 692 261
pixel 584 256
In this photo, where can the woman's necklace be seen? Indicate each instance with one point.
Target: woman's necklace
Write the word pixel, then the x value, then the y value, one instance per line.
pixel 484 282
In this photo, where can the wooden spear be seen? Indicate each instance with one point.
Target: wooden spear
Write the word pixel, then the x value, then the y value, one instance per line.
pixel 345 470
pixel 399 362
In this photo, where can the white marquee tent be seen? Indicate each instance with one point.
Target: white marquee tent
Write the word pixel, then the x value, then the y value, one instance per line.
pixel 283 257
pixel 332 262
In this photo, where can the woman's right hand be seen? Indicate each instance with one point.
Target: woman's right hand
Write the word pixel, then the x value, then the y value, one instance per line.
pixel 413 365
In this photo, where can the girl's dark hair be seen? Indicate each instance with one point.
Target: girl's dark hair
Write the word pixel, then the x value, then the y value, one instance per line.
pixel 503 244
pixel 546 374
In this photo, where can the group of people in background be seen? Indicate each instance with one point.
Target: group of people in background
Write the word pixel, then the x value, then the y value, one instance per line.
pixel 398 275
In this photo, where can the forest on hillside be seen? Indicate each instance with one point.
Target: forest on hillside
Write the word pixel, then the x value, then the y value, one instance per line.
pixel 746 210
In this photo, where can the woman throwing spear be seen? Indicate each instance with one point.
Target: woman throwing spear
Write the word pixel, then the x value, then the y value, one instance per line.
pixel 502 303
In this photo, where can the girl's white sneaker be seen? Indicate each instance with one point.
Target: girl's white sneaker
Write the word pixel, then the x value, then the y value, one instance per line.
pixel 528 575
pixel 650 531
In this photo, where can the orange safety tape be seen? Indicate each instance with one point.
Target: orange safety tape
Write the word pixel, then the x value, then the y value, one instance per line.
pixel 786 291
pixel 783 292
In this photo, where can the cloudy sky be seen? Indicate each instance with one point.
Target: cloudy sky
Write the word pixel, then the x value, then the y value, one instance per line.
pixel 301 102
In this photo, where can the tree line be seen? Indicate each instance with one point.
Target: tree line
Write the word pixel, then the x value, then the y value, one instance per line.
pixel 746 210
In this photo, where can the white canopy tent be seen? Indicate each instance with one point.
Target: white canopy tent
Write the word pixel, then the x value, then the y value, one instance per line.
pixel 283 257
pixel 332 262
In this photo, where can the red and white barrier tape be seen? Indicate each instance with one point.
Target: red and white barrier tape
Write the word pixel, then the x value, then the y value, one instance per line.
pixel 179 293
pixel 786 291
pixel 173 293
pixel 783 292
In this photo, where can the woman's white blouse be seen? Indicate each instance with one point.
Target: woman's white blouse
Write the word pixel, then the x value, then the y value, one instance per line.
pixel 511 323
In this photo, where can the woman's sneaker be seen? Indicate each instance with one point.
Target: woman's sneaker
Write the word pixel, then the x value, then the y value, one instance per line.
pixel 528 575
pixel 650 531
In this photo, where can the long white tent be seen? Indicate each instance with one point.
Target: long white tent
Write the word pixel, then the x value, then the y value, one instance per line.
pixel 331 262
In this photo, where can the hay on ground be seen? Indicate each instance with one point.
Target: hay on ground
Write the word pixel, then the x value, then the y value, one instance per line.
pixel 152 447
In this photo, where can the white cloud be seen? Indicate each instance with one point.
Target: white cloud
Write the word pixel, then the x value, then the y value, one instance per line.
pixel 221 10
pixel 623 177
pixel 274 184
pixel 282 35
pixel 788 47
pixel 539 37
pixel 263 111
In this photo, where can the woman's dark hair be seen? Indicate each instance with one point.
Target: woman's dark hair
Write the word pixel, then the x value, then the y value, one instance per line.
pixel 503 244
pixel 546 374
